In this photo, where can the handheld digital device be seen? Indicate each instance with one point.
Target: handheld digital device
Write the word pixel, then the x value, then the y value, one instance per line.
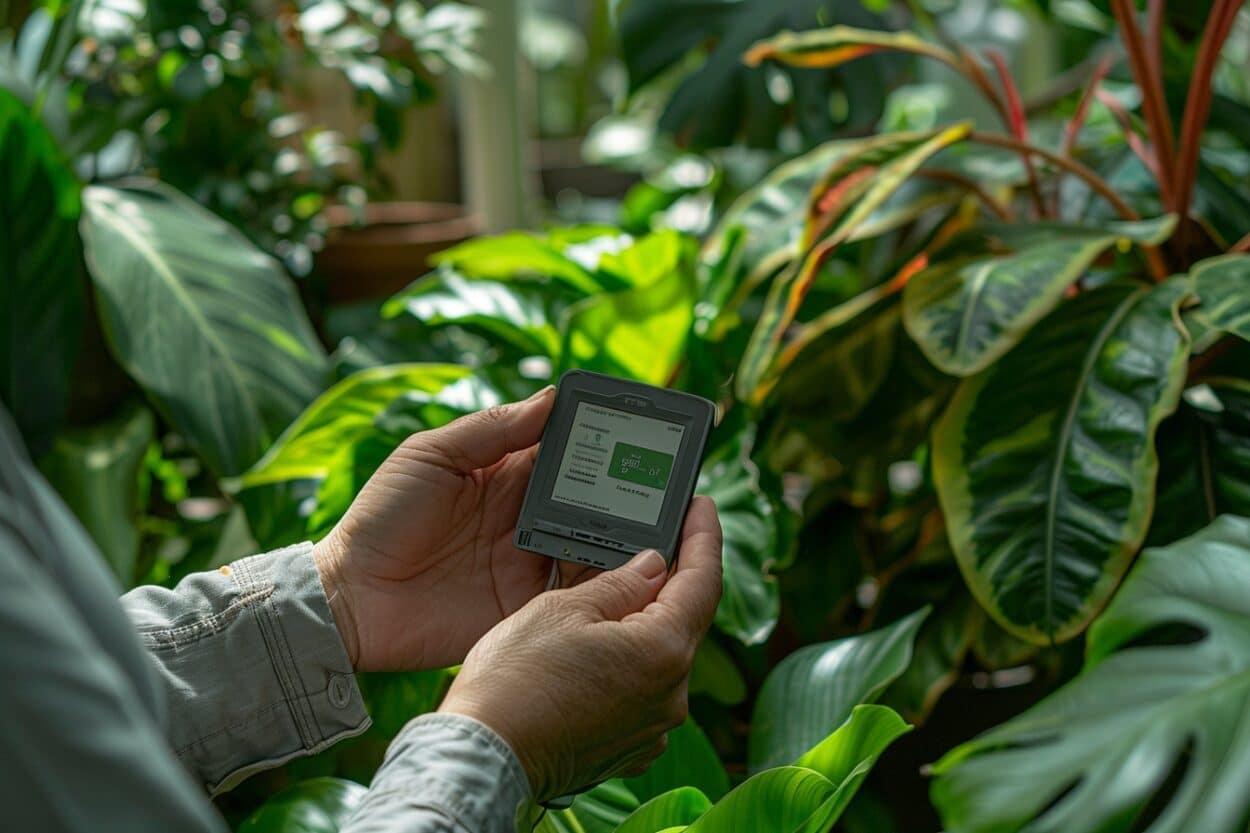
pixel 615 472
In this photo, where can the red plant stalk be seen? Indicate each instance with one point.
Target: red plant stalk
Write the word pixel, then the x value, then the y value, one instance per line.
pixel 1154 103
pixel 1073 127
pixel 1198 102
pixel 1018 125
pixel 1242 245
pixel 1135 143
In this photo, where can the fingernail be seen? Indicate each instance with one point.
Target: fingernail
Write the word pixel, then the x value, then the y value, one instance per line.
pixel 541 393
pixel 649 564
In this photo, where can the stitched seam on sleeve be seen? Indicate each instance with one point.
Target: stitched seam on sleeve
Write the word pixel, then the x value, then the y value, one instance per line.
pixel 265 624
pixel 305 701
pixel 183 635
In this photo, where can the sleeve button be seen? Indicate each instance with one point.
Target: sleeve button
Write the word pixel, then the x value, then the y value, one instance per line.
pixel 340 691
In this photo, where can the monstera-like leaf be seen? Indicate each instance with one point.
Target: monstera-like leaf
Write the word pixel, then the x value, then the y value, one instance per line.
pixel 41 297
pixel 207 324
pixel 1153 735
pixel 1045 463
pixel 965 314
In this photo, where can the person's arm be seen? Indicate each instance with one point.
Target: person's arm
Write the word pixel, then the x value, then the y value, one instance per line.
pixel 79 747
pixel 254 670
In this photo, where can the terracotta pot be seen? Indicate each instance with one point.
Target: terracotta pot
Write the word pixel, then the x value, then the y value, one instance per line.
pixel 391 249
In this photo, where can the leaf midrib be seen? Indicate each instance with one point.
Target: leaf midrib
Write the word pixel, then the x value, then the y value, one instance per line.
pixel 110 218
pixel 1064 440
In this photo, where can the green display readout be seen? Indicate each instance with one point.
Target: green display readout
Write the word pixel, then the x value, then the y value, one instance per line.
pixel 641 465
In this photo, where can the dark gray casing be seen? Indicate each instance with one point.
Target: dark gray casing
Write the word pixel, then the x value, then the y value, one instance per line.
pixel 559 530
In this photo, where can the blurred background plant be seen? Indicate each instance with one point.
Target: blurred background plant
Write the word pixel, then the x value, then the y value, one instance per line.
pixel 967 281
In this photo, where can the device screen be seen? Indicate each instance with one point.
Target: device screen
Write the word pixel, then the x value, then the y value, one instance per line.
pixel 617 463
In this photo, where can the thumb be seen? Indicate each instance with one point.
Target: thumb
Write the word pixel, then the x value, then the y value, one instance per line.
pixel 614 594
pixel 482 439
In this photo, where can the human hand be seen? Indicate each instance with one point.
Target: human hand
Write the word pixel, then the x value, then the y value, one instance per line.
pixel 584 683
pixel 423 564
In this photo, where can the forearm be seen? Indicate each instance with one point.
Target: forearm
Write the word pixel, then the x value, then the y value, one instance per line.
pixel 446 774
pixel 252 663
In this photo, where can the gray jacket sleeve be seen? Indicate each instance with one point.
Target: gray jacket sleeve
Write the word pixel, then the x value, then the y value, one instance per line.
pixel 254 671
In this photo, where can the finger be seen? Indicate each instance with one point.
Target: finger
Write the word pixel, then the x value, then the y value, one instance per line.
pixel 691 595
pixel 482 439
pixel 615 594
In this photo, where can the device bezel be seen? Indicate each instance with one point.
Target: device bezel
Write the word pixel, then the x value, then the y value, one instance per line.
pixel 543 514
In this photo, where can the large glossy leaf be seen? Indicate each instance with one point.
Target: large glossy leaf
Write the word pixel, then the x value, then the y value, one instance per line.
pixel 722 100
pixel 966 314
pixel 689 761
pixel 810 795
pixel 857 186
pixel 1153 735
pixel 1204 460
pixel 937 658
pixel 756 538
pixel 1045 462
pixel 207 324
pixel 41 297
pixel 1222 285
pixel 96 472
pixel 676 808
pixel 522 316
pixel 818 686
pixel 519 255
pixel 599 810
pixel 640 331
pixel 344 415
pixel 318 805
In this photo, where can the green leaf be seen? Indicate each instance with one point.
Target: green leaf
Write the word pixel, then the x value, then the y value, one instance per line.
pixel 318 805
pixel 1204 460
pixel 519 255
pixel 344 415
pixel 96 472
pixel 676 808
pixel 1222 285
pixel 695 49
pixel 755 538
pixel 208 325
pixel 689 761
pixel 638 332
pixel 715 675
pixel 937 658
pixel 599 810
pixel 818 686
pixel 839 44
pixel 41 297
pixel 1155 725
pixel 1044 463
pixel 522 316
pixel 860 184
pixel 966 314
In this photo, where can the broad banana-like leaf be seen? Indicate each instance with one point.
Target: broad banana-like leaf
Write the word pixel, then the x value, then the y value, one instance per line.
pixel 344 415
pixel 809 795
pixel 599 810
pixel 318 805
pixel 208 325
pixel 519 255
pixel 818 686
pixel 675 808
pixel 1045 463
pixel 966 314
pixel 1155 729
pixel 1221 286
pixel 856 187
pixel 1204 460
pixel 520 315
pixel 839 44
pixel 41 297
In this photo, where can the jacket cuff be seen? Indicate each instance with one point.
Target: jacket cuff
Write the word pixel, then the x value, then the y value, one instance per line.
pixel 254 666
pixel 454 767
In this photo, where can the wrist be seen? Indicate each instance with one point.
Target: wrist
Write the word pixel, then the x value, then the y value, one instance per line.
pixel 327 555
pixel 467 706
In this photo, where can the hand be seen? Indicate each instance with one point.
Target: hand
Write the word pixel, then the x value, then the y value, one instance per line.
pixel 583 683
pixel 423 564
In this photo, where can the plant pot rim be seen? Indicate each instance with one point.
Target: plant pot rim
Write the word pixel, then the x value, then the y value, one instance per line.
pixel 401 223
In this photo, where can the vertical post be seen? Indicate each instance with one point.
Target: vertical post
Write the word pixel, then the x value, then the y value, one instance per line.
pixel 495 152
